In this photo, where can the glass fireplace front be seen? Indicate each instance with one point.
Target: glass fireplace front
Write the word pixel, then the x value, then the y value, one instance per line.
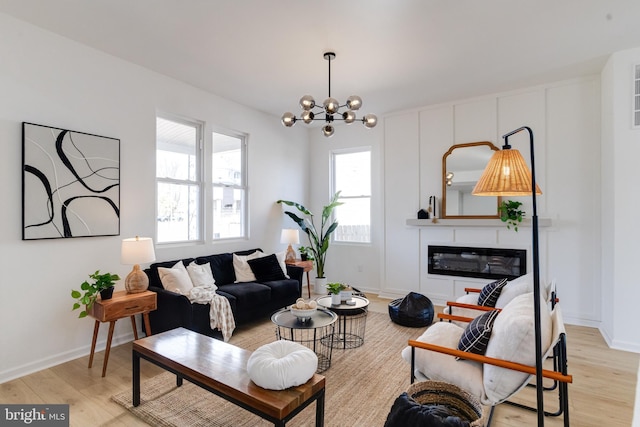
pixel 484 263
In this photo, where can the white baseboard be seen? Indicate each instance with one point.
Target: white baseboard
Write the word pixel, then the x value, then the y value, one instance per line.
pixel 48 362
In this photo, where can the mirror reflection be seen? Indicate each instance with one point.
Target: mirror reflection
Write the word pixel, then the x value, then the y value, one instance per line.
pixel 462 166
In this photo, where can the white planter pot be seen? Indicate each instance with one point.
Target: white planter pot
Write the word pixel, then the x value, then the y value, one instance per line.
pixel 320 286
pixel 335 299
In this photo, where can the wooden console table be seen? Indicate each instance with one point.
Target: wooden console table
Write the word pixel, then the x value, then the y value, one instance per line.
pixel 120 306
pixel 221 368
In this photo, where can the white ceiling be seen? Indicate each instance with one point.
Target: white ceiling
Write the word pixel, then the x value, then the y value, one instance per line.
pixel 395 54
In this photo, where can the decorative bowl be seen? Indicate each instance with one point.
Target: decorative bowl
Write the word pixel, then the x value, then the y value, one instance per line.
pixel 303 314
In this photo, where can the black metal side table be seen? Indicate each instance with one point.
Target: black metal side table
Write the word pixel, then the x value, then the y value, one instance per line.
pixel 315 333
pixel 352 320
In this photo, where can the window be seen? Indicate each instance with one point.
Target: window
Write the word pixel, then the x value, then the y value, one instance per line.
pixel 229 185
pixel 178 180
pixel 352 177
pixel 182 163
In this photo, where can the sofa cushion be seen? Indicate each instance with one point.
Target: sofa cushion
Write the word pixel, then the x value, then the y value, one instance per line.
pixel 284 290
pixel 154 276
pixel 248 294
pixel 266 268
pixel 176 278
pixel 465 374
pixel 513 339
pixel 490 293
pixel 476 335
pixel 242 268
pixel 201 275
pixel 221 267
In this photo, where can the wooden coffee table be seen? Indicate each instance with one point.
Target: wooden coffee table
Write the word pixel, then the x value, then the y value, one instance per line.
pixel 220 368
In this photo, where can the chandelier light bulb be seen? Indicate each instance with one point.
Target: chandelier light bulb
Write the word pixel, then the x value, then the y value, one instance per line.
pixel 331 105
pixel 349 116
pixel 370 120
pixel 327 130
pixel 288 119
pixel 354 102
pixel 307 116
pixel 307 102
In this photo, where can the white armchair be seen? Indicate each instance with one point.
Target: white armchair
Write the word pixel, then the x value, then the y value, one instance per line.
pixel 509 360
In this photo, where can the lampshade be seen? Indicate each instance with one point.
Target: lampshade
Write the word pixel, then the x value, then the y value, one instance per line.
pixel 137 250
pixel 506 174
pixel 290 236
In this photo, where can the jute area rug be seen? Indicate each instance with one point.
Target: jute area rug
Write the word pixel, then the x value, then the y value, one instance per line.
pixel 361 384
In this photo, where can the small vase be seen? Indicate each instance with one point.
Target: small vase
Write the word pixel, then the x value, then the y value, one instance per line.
pixel 106 293
pixel 335 299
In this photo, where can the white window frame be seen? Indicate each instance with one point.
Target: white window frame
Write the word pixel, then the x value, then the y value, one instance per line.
pixel 199 179
pixel 352 150
pixel 243 185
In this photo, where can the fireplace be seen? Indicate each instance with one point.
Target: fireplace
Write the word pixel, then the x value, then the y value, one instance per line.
pixel 483 263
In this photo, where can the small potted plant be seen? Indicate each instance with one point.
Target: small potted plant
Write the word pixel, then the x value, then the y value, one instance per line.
pixel 305 253
pixel 102 284
pixel 511 214
pixel 335 289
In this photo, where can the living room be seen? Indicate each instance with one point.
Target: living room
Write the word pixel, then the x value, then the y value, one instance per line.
pixel 585 145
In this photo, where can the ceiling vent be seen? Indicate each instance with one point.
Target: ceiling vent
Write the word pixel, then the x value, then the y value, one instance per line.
pixel 636 97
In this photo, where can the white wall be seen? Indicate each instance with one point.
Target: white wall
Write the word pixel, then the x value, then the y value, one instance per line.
pixel 620 204
pixel 565 119
pixel 49 80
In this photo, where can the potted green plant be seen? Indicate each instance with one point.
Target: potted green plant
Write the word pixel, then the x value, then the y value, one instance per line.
pixel 335 289
pixel 101 284
pixel 305 253
pixel 511 214
pixel 318 238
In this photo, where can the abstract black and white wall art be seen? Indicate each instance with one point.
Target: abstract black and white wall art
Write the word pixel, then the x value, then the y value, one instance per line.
pixel 70 184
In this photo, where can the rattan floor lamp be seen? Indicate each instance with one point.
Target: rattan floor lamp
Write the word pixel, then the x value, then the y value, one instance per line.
pixel 507 174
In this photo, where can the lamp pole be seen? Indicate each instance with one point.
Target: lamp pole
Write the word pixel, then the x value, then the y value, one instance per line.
pixel 536 277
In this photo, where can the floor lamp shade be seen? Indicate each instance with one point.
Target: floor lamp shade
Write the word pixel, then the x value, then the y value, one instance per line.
pixel 290 236
pixel 506 174
pixel 136 251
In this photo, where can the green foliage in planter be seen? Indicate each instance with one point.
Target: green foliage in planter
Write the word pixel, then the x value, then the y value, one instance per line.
pixel 91 290
pixel 511 214
pixel 306 251
pixel 318 238
pixel 335 288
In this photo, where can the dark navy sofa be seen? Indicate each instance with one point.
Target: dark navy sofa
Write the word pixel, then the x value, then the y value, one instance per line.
pixel 249 301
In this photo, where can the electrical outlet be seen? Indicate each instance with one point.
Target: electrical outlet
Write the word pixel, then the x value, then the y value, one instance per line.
pixel 360 269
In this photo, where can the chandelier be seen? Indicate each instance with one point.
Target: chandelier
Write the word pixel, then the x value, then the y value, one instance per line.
pixel 331 108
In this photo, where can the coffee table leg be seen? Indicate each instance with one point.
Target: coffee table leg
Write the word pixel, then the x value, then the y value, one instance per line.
pixel 320 410
pixel 136 379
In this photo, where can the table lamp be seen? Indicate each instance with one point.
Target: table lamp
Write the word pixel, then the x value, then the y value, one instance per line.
pixel 135 251
pixel 290 236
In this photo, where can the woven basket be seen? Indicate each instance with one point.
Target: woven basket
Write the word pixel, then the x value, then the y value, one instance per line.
pixel 459 402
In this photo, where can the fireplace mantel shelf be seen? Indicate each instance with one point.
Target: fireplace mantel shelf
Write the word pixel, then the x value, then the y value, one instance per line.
pixel 542 222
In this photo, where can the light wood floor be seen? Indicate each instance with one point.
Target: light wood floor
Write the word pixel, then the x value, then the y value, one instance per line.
pixel 602 394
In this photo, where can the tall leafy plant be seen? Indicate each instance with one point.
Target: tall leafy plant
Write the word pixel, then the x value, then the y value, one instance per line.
pixel 318 238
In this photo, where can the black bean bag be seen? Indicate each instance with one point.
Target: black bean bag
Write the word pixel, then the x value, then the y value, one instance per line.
pixel 414 310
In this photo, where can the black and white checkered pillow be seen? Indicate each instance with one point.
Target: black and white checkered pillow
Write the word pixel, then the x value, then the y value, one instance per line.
pixel 475 337
pixel 490 293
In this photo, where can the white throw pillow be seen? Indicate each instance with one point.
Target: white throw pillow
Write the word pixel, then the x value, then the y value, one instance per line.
pixel 242 267
pixel 513 339
pixel 281 256
pixel 201 275
pixel 176 279
pixel 281 364
pixel 466 374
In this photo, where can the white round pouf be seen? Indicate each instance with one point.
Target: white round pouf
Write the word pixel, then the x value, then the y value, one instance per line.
pixel 281 364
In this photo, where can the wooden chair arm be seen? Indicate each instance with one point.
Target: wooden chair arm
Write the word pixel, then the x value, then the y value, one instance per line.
pixel 470 306
pixel 558 376
pixel 443 316
pixel 472 290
